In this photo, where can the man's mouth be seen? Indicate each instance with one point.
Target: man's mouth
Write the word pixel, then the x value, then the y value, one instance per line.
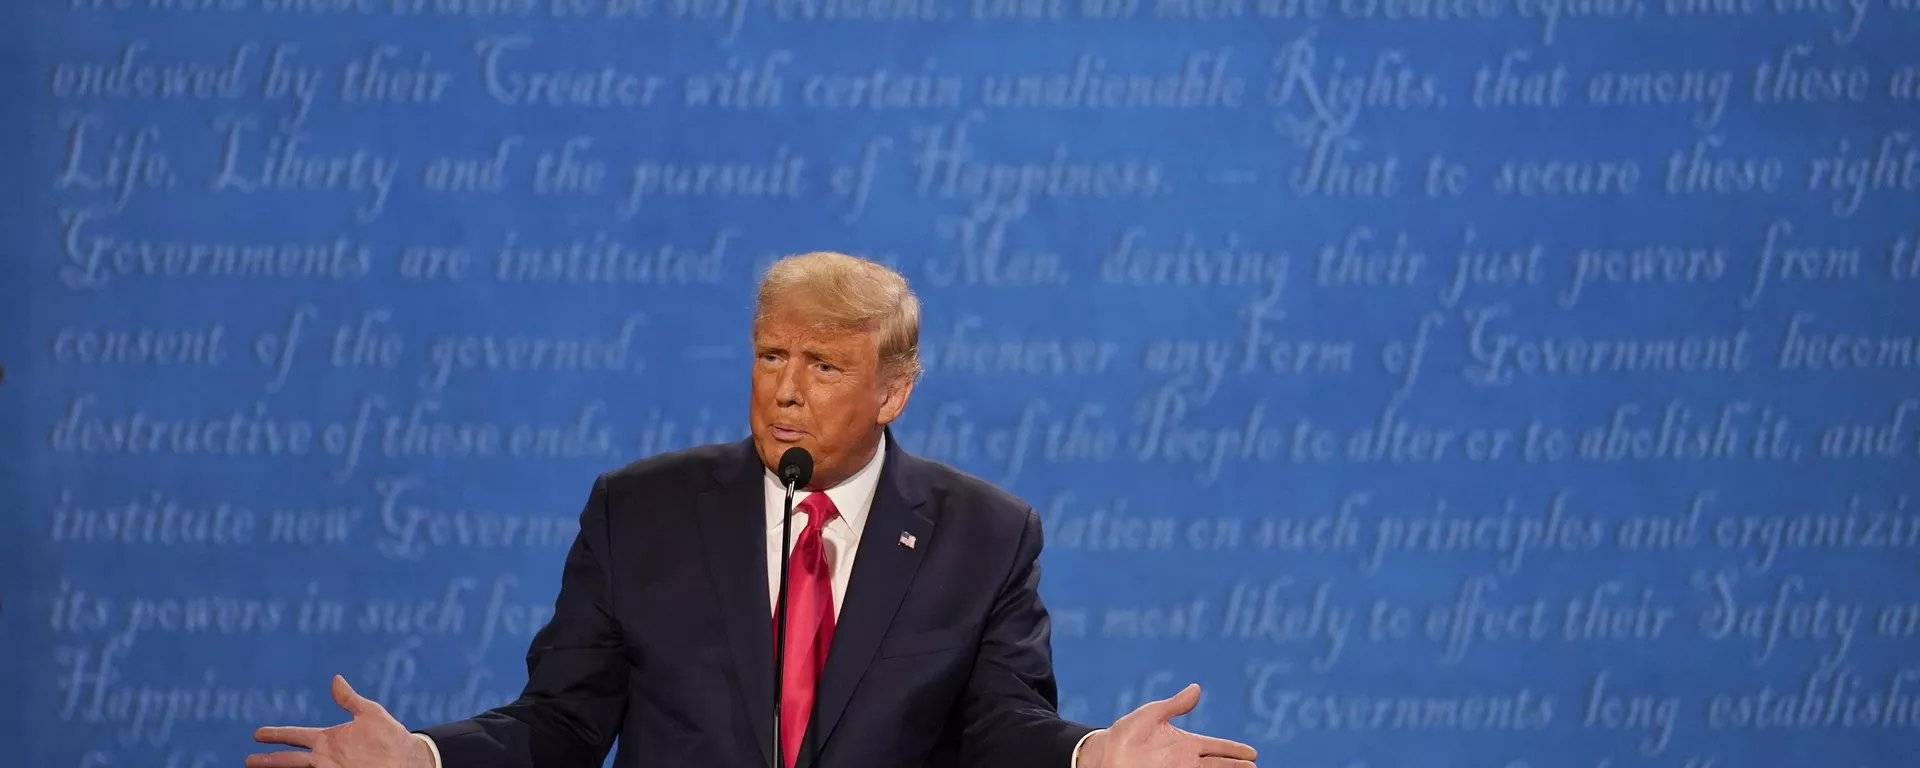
pixel 786 434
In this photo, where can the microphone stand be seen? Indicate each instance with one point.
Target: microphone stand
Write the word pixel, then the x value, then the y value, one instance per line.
pixel 780 623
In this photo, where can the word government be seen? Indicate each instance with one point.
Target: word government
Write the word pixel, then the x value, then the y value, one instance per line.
pixel 1284 710
pixel 93 260
pixel 410 524
pixel 1497 356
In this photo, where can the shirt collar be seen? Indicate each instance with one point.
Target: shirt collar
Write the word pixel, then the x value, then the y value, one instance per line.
pixel 853 497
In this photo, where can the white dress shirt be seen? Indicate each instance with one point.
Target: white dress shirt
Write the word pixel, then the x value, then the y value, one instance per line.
pixel 853 497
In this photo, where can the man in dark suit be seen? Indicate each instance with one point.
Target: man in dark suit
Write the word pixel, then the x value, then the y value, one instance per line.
pixel 920 580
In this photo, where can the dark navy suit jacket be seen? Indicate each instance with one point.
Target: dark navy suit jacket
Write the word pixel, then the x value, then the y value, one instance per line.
pixel 662 634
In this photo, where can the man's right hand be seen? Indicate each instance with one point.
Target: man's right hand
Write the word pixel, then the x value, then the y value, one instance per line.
pixel 1147 738
pixel 372 739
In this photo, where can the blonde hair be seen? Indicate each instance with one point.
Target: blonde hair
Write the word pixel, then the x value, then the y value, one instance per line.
pixel 849 293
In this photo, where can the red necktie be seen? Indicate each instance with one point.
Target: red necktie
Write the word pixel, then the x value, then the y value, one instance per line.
pixel 809 623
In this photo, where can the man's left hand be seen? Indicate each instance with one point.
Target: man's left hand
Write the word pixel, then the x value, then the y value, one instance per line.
pixel 1146 739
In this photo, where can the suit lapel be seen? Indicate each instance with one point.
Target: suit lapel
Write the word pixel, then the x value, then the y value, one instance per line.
pixel 732 517
pixel 882 570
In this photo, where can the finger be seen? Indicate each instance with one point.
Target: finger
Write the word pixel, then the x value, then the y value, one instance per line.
pixel 354 703
pixel 288 759
pixel 289 735
pixel 1225 762
pixel 1225 748
pixel 1176 705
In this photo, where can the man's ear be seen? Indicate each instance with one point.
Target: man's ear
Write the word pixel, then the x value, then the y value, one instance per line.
pixel 894 401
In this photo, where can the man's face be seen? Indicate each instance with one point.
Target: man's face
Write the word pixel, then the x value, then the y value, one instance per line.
pixel 820 390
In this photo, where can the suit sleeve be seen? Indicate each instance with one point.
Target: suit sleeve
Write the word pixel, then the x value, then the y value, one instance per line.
pixel 1009 709
pixel 576 692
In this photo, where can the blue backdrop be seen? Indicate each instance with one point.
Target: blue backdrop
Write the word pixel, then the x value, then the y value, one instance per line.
pixel 1440 383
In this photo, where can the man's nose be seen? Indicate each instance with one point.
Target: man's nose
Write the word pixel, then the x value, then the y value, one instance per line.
pixel 788 393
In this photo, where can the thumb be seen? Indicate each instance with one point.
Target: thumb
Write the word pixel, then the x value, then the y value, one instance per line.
pixel 353 703
pixel 1177 704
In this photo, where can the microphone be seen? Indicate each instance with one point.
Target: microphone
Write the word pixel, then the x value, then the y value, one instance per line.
pixel 796 468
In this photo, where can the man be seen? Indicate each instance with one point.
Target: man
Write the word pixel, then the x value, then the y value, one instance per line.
pixel 922 581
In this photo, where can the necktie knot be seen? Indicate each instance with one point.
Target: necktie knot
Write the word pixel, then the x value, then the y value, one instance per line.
pixel 820 509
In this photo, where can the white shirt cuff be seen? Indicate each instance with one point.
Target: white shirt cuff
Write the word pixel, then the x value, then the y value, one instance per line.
pixel 435 748
pixel 1075 763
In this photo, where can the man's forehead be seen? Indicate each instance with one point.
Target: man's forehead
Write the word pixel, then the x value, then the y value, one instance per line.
pixel 799 330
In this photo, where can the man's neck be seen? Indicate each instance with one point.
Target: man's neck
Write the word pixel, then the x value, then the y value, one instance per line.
pixel 823 482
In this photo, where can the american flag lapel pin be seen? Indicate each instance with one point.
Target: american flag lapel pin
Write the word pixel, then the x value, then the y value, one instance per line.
pixel 907 540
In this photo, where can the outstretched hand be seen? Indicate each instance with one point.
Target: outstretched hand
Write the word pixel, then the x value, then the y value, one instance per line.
pixel 372 739
pixel 1146 738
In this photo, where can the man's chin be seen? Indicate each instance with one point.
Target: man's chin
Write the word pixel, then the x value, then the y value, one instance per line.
pixel 772 447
